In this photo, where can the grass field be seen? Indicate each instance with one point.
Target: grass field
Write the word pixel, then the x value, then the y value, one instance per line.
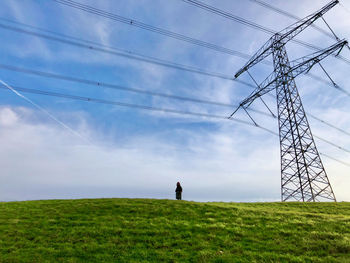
pixel 142 230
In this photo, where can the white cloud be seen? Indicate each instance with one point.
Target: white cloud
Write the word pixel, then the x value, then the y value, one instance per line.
pixel 39 160
pixel 8 117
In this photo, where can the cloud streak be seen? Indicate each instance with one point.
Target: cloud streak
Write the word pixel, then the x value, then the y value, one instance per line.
pixel 44 111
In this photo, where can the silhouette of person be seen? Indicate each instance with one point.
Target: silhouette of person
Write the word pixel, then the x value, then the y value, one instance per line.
pixel 178 191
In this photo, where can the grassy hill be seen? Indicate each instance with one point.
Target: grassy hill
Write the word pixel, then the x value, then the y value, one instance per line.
pixel 140 230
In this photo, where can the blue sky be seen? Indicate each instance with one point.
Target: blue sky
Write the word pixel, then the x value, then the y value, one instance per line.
pixel 135 153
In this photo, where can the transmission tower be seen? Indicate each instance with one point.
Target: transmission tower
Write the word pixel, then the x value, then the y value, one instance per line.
pixel 303 177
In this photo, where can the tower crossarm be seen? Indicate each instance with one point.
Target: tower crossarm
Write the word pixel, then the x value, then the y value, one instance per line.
pixel 294 29
pixel 297 67
pixel 284 36
pixel 304 64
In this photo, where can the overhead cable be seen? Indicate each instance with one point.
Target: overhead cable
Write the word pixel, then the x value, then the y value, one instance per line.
pixel 246 22
pixel 331 143
pixel 117 87
pixel 331 84
pixel 151 93
pixel 126 55
pixel 145 58
pixel 149 108
pixel 144 26
pixel 287 14
pixel 132 22
pixel 130 105
pixel 195 70
pixel 113 86
pixel 334 159
pixel 329 124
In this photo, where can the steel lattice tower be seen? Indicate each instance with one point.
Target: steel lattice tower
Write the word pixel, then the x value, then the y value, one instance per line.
pixel 303 177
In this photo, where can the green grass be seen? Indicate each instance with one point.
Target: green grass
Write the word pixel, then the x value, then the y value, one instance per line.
pixel 141 230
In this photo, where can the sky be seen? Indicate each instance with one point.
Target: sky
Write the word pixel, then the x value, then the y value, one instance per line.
pixel 58 148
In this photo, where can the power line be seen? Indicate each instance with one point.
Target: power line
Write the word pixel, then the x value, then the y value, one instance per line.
pixel 334 159
pixel 130 105
pixel 126 55
pixel 170 34
pixel 147 59
pixel 313 117
pixel 124 88
pixel 246 22
pixel 337 87
pixel 113 86
pixel 156 109
pixel 151 93
pixel 230 16
pixel 144 26
pixel 149 108
pixel 275 9
pixel 134 55
pixel 132 22
pixel 331 143
pixel 329 124
pixel 234 52
pixel 118 87
pixel 287 14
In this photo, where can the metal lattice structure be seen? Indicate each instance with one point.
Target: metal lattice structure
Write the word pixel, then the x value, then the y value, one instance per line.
pixel 303 177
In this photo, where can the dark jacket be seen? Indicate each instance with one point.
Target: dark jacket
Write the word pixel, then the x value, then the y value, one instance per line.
pixel 178 189
pixel 178 192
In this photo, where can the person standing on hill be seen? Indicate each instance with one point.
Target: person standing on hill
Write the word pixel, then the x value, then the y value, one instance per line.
pixel 178 191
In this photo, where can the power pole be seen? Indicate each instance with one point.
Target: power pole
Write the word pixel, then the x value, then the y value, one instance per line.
pixel 303 177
